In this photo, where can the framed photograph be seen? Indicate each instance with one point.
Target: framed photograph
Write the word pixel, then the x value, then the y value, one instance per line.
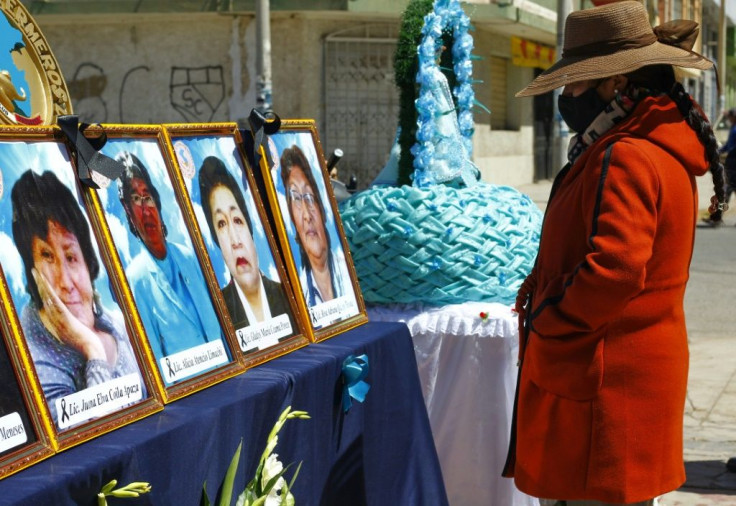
pixel 189 342
pixel 60 299
pixel 240 246
pixel 23 440
pixel 310 230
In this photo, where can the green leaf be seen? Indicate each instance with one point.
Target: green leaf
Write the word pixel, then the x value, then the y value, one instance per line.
pixel 296 473
pixel 272 482
pixel 227 484
pixel 121 492
pixel 287 498
pixel 204 501
pixel 252 484
pixel 108 488
pixel 142 487
pixel 101 499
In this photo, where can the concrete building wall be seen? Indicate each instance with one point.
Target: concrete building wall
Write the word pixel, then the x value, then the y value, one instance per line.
pixel 504 156
pixel 200 67
pixel 146 69
pixel 186 67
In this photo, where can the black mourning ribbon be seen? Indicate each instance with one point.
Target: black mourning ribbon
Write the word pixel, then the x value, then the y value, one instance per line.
pixel 171 371
pixel 64 415
pixel 262 122
pixel 87 151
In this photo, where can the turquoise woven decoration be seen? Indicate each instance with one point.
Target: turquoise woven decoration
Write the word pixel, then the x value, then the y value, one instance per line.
pixel 441 245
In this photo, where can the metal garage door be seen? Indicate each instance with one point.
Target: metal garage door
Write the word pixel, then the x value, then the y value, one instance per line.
pixel 498 83
pixel 361 100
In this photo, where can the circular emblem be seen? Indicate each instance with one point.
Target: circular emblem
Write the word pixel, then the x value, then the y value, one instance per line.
pixel 184 157
pixel 32 89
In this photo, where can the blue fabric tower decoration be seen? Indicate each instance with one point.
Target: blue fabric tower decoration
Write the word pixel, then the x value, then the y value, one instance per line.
pixel 447 238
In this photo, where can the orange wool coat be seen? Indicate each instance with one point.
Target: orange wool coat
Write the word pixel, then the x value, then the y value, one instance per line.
pixel 604 371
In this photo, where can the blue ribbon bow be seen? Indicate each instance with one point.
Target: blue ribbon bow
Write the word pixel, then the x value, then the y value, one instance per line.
pixel 354 371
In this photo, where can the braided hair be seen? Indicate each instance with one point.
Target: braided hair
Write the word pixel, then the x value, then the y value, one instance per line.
pixel 703 129
pixel 661 78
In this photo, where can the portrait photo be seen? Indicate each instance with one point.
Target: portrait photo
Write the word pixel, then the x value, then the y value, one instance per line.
pixel 160 263
pixel 72 325
pixel 240 247
pixel 309 219
pixel 16 429
pixel 20 438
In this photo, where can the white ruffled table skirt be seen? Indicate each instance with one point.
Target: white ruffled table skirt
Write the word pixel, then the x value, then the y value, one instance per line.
pixel 467 366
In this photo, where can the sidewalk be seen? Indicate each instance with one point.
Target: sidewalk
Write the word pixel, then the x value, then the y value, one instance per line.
pixel 538 192
pixel 710 411
pixel 710 424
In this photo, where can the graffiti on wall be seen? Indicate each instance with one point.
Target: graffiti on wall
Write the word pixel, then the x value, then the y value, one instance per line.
pixel 133 88
pixel 196 93
pixel 85 88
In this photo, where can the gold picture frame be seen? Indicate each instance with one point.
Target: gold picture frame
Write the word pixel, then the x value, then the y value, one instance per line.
pixel 24 437
pixel 61 303
pixel 243 257
pixel 190 343
pixel 329 292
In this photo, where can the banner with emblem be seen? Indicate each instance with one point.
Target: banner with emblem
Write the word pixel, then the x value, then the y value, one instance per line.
pixel 32 87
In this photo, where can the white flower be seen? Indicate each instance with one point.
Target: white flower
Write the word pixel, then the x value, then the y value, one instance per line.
pixel 275 497
pixel 271 468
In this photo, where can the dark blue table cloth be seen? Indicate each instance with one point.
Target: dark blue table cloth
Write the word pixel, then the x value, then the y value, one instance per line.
pixel 380 452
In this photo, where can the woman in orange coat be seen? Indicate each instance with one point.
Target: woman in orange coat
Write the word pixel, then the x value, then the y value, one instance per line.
pixel 604 356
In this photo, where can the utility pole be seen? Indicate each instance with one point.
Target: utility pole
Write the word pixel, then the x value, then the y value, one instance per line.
pixel 722 66
pixel 263 56
pixel 560 131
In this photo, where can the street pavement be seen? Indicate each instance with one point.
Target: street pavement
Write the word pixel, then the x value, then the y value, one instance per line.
pixel 710 410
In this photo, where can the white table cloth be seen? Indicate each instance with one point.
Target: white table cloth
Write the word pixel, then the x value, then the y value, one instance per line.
pixel 467 366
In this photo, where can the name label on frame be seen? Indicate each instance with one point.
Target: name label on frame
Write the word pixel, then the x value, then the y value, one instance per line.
pixel 333 311
pixel 184 364
pixel 12 431
pixel 98 400
pixel 264 334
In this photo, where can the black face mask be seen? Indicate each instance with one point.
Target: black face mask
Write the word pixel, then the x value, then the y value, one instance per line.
pixel 579 112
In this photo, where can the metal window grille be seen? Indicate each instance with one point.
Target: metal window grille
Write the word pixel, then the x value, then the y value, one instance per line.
pixel 361 101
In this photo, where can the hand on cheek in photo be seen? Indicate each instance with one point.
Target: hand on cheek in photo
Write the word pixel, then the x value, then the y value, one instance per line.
pixel 63 325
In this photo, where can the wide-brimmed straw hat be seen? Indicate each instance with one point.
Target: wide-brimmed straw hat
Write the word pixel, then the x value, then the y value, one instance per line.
pixel 617 38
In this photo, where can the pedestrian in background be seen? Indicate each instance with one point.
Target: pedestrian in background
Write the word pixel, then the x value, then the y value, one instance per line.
pixel 604 355
pixel 729 149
